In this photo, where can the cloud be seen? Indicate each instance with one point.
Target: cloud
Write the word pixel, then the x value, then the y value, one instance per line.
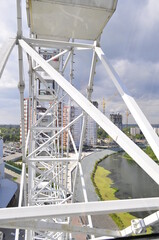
pixel 132 32
pixel 7 20
pixel 149 16
pixel 130 41
pixel 9 93
pixel 141 79
pixel 9 79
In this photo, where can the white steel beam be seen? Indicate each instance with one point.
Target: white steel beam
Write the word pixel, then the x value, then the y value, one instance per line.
pixel 89 95
pixel 57 44
pixel 92 72
pixel 48 159
pixel 66 62
pixel 148 221
pixel 78 209
pixel 54 136
pixel 142 159
pixel 152 219
pixel 136 112
pixel 84 192
pixel 27 142
pixel 46 112
pixel 21 194
pixel 53 58
pixel 5 52
pixel 73 143
pixel 45 83
pixel 51 226
pixel 37 129
pixel 21 90
pixel 21 86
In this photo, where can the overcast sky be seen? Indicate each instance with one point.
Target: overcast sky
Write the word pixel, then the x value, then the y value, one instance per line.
pixel 130 42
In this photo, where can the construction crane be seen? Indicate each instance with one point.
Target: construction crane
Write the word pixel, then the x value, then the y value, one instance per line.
pixel 127 116
pixel 103 105
pixel 104 102
pixel 47 191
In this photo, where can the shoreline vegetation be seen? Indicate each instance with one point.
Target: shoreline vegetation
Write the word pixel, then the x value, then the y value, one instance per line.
pixel 148 151
pixel 103 188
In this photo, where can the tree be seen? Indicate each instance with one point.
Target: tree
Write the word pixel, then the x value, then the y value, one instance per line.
pixel 9 133
pixel 101 134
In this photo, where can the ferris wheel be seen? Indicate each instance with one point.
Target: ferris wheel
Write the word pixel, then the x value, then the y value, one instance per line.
pixel 57 121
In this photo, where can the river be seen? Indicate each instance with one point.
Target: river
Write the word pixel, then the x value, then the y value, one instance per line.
pixel 130 180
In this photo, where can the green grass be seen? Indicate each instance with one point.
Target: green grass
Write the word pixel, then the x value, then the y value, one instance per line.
pixel 14 178
pixel 150 153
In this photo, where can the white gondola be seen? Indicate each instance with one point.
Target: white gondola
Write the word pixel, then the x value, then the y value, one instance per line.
pixel 79 19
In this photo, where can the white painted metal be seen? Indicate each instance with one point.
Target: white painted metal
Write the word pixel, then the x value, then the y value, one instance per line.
pixel 19 19
pixel 21 84
pixel 21 87
pixel 54 57
pixel 5 52
pixel 78 209
pixel 84 192
pixel 49 200
pixel 74 19
pixel 43 226
pixel 48 175
pixel 129 146
pixel 21 195
pixel 57 44
pixel 53 137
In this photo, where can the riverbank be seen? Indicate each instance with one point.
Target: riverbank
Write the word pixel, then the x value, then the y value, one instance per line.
pixel 148 151
pixel 105 191
pixel 112 168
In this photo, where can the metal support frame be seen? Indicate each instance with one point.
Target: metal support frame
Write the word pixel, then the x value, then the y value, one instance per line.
pixel 139 156
pixel 58 44
pixel 5 51
pixel 79 209
pixel 55 166
pixel 30 217
pixel 142 159
pixel 49 200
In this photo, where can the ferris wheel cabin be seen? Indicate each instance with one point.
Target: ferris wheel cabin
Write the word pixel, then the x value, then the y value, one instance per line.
pixel 65 19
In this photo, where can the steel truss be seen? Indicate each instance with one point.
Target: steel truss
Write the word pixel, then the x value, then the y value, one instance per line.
pixel 46 200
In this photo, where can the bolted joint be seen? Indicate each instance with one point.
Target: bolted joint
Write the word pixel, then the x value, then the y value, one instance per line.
pixel 21 86
pixel 138 226
pixel 17 40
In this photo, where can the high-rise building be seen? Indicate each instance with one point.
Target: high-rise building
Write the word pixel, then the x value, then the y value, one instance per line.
pixel 116 118
pixel 65 122
pixel 91 130
pixel 72 113
pixel 135 130
pixel 91 126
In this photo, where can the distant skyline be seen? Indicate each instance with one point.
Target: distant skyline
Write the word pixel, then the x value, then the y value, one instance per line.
pixel 130 42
